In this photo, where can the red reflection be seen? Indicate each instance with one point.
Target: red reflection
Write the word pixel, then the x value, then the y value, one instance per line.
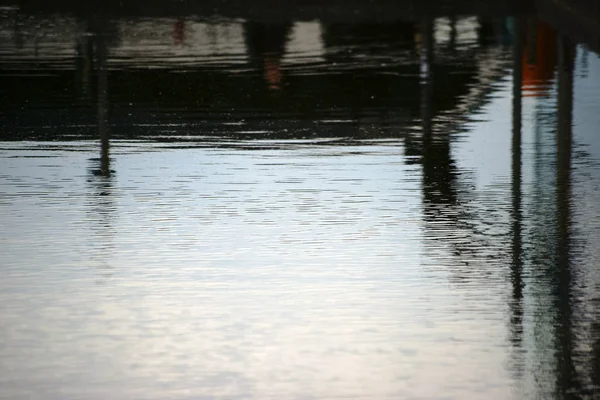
pixel 539 59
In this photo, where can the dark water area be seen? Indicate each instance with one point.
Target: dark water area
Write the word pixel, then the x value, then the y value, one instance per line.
pixel 202 207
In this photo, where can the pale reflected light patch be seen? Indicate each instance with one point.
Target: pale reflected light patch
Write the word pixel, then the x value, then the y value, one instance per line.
pixel 465 31
pixel 305 44
pixel 167 42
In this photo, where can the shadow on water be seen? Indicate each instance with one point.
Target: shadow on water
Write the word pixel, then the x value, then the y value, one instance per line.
pixel 358 83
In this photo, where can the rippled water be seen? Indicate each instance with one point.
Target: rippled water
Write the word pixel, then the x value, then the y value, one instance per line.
pixel 297 210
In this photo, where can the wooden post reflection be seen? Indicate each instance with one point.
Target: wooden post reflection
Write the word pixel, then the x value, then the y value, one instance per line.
pixel 516 267
pixel 101 54
pixel 566 372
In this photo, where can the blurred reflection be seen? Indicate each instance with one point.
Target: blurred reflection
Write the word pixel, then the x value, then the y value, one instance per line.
pixel 266 44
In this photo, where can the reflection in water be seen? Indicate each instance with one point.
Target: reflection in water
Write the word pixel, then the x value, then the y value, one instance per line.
pixel 179 32
pixel 377 222
pixel 516 323
pixel 103 130
pixel 539 57
pixel 101 215
pixel 102 205
pixel 567 380
pixel 266 46
pixel 438 174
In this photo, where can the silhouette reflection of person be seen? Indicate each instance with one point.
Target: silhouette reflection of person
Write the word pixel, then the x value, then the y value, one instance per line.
pixel 266 45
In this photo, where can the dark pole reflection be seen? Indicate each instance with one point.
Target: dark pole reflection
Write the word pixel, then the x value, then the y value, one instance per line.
pixel 84 64
pixel 517 266
pixel 101 54
pixel 566 374
pixel 102 208
pixel 92 54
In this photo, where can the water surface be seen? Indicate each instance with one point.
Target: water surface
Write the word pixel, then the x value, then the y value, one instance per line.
pixel 222 208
